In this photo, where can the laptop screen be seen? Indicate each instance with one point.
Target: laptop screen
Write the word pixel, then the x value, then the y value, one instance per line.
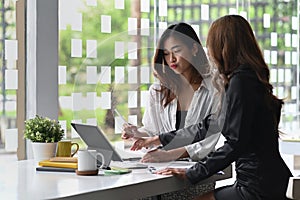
pixel 95 139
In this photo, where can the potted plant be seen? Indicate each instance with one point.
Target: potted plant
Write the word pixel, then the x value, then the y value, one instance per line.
pixel 44 134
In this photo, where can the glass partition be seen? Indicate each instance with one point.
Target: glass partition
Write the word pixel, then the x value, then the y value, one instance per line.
pixel 8 77
pixel 106 48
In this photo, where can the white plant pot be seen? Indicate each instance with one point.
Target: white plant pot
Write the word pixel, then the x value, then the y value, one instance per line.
pixel 43 151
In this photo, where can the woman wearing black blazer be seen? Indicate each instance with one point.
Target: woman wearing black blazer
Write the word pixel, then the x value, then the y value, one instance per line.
pixel 251 119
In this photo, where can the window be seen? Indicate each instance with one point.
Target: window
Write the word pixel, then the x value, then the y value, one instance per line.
pixel 106 47
pixel 106 50
pixel 8 77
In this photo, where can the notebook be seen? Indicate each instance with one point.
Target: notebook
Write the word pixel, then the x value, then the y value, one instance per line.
pixel 95 139
pixel 55 169
pixel 48 163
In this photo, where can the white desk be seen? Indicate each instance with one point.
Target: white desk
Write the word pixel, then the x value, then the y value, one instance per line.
pixel 19 180
pixel 289 146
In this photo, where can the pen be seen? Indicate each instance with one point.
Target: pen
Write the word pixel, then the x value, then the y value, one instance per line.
pixel 123 119
pixel 150 149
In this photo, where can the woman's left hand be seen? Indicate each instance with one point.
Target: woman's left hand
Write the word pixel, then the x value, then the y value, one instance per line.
pixel 180 172
pixel 157 155
pixel 146 142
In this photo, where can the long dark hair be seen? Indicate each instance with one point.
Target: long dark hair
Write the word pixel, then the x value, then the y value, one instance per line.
pixel 169 80
pixel 231 43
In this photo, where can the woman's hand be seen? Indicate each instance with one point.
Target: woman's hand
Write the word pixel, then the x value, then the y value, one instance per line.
pixel 180 172
pixel 126 136
pixel 158 155
pixel 129 131
pixel 145 142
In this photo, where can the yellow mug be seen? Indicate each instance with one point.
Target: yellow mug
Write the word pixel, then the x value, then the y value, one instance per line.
pixel 64 148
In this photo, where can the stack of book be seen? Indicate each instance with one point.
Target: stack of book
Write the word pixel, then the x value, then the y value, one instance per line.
pixel 58 164
pixel 70 164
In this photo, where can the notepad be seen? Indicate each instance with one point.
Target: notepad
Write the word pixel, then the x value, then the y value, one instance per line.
pixel 48 163
pixel 115 170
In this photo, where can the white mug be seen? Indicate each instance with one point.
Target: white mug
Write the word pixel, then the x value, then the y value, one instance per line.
pixel 87 160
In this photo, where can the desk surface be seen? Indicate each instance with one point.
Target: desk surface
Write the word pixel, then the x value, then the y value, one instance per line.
pixel 288 146
pixel 19 180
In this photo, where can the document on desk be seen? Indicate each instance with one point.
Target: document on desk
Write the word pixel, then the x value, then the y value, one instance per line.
pixel 153 167
pixel 127 154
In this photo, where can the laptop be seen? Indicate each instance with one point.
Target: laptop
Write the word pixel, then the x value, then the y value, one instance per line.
pixel 95 139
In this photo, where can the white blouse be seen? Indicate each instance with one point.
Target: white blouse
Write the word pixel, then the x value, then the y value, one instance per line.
pixel 158 119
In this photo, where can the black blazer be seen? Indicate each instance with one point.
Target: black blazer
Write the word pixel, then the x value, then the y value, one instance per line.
pixel 251 133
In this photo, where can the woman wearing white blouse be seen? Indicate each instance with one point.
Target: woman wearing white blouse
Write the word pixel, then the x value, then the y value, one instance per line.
pixel 157 120
pixel 183 96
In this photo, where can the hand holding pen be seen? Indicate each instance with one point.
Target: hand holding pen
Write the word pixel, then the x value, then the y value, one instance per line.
pixel 128 129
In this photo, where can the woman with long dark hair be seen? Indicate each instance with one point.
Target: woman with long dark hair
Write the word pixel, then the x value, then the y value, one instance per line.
pixel 252 114
pixel 183 96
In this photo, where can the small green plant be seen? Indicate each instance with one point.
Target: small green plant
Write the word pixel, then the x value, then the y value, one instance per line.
pixel 43 129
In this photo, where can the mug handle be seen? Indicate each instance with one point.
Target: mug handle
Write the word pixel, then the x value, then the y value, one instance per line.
pixel 102 159
pixel 77 148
